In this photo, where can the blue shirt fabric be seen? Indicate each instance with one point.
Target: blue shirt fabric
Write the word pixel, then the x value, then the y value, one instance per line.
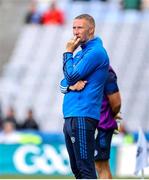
pixel 90 64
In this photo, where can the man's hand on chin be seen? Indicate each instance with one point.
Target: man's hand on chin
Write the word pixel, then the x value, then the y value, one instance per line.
pixel 73 44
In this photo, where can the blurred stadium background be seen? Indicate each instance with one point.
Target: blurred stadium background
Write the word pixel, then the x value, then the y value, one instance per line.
pixel 31 68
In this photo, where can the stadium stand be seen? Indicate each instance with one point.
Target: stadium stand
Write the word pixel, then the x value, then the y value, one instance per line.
pixel 31 77
pixel 11 16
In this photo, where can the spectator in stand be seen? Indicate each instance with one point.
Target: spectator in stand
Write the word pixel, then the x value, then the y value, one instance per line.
pixel 8 133
pixel 30 122
pixel 53 15
pixel 8 126
pixel 1 118
pixel 1 122
pixel 10 116
pixel 33 16
pixel 131 4
pixel 145 4
pixel 81 0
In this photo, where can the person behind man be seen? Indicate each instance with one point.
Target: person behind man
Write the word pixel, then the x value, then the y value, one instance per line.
pixel 111 104
pixel 81 109
pixel 30 122
pixel 110 108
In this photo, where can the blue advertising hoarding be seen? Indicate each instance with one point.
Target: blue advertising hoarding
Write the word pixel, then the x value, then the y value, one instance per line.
pixel 49 157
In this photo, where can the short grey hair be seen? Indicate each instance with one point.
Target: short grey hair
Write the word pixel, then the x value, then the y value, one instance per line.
pixel 87 17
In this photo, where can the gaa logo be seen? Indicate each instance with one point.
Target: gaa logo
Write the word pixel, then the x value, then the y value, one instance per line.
pixel 95 153
pixel 46 159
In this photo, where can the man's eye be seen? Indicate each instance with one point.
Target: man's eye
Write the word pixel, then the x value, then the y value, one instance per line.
pixel 80 27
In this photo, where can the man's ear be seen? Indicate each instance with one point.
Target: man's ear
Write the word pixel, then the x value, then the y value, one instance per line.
pixel 91 30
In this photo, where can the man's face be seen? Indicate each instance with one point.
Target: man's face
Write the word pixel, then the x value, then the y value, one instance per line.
pixel 82 29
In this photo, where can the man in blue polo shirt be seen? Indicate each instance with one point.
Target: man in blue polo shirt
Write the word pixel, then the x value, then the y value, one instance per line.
pixel 81 109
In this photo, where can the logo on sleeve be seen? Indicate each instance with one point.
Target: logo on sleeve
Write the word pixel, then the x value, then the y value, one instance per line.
pixel 73 139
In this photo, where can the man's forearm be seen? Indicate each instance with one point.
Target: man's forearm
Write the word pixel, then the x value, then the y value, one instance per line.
pixel 116 110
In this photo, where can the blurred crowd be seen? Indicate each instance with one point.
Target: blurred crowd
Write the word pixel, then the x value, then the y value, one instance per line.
pixel 10 128
pixel 9 123
pixel 46 12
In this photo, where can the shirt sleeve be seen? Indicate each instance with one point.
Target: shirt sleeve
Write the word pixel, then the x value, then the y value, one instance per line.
pixel 88 63
pixel 111 85
pixel 64 86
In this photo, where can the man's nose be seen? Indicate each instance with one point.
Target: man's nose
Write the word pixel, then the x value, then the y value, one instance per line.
pixel 76 32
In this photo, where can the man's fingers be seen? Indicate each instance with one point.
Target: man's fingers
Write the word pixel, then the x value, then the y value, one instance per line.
pixel 81 83
pixel 77 41
pixel 75 38
pixel 118 116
